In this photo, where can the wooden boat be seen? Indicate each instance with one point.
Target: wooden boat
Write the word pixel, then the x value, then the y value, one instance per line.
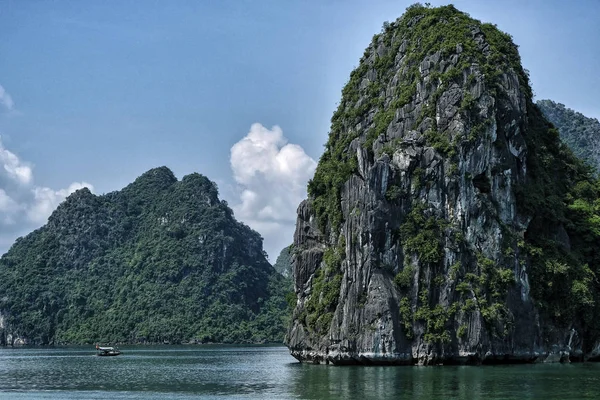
pixel 107 351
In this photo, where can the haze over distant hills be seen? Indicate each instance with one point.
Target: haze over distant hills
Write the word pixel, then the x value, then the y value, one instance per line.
pixel 581 133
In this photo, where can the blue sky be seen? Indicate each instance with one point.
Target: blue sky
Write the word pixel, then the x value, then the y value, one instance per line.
pixel 95 93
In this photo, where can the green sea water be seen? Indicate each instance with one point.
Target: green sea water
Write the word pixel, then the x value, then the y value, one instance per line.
pixel 269 372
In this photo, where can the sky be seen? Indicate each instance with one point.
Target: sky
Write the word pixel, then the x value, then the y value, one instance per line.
pixel 95 93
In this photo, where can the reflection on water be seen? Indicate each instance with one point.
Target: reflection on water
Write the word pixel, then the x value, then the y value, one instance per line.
pixel 170 372
pixel 556 381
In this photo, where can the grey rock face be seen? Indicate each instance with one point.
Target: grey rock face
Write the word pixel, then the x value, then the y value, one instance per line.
pixel 7 336
pixel 439 316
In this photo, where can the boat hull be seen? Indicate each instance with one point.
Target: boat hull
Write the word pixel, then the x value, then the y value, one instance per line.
pixel 108 353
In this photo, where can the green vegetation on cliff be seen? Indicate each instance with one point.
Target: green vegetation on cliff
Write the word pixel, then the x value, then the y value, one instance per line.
pixel 326 287
pixel 563 198
pixel 367 107
pixel 160 260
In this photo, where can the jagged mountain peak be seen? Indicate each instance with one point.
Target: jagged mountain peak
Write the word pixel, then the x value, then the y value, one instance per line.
pixel 158 178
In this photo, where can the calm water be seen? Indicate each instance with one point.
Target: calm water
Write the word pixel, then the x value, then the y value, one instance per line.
pixel 267 372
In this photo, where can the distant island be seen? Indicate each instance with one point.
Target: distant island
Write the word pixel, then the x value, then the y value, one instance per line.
pixel 161 261
pixel 580 133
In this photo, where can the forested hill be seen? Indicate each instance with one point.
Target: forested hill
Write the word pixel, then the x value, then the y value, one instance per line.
pixel 581 133
pixel 160 260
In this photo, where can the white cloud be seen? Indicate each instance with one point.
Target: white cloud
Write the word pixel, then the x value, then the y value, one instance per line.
pixel 7 204
pixel 272 176
pixel 25 206
pixel 15 169
pixel 46 200
pixel 6 100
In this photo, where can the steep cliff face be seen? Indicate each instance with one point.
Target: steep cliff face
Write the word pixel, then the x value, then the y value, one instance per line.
pixel 160 260
pixel 439 226
pixel 581 133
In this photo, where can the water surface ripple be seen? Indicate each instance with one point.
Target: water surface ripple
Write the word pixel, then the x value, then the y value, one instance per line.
pixel 269 372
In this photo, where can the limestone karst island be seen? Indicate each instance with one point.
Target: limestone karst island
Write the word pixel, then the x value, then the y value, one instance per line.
pixel 446 221
pixel 451 220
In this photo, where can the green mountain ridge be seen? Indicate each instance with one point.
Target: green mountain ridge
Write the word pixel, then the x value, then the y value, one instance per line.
pixel 161 260
pixel 580 133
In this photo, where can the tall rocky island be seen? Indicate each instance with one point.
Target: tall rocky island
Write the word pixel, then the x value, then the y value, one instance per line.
pixel 160 261
pixel 446 222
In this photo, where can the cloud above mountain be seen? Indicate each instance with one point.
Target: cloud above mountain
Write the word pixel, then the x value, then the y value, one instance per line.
pixel 271 175
pixel 14 168
pixel 25 206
